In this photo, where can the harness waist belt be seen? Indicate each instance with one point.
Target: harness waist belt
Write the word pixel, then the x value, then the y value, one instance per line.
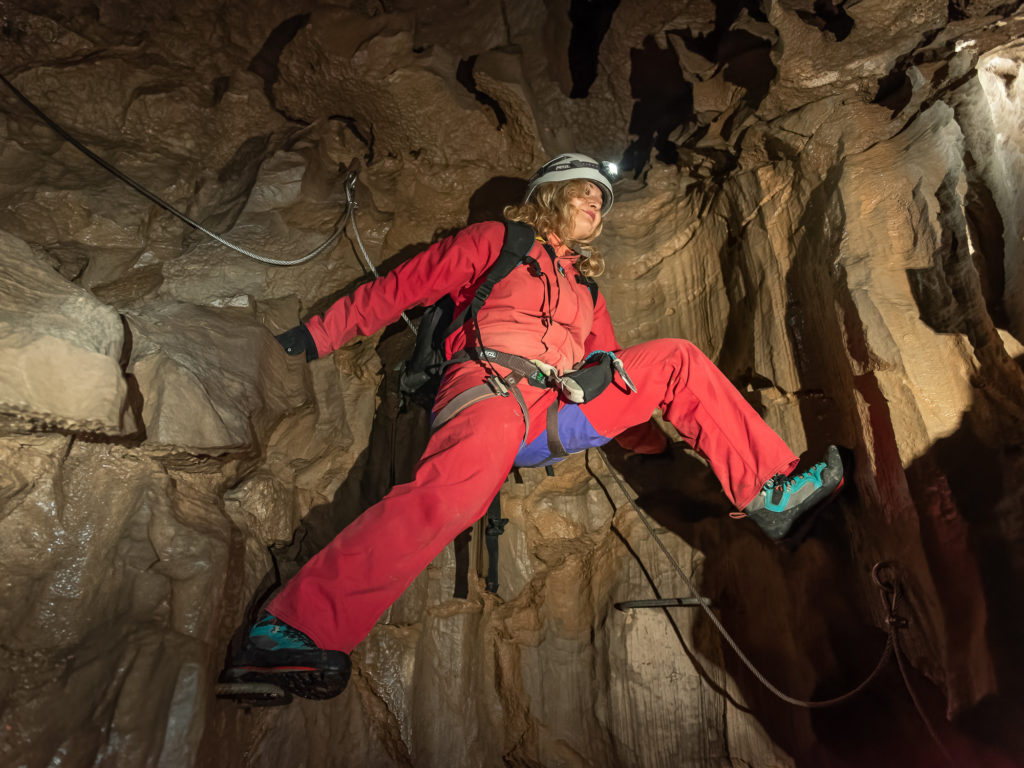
pixel 490 388
pixel 520 368
pixel 515 363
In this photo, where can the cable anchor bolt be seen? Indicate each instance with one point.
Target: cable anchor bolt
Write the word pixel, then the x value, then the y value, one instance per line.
pixel 887 585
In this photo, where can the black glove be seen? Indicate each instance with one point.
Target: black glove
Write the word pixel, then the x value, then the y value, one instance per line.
pixel 297 341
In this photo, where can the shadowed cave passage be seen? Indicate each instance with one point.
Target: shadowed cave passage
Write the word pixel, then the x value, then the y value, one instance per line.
pixel 663 102
pixel 830 17
pixel 590 22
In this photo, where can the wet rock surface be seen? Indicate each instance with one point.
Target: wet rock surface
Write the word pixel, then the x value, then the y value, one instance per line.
pixel 824 197
pixel 51 327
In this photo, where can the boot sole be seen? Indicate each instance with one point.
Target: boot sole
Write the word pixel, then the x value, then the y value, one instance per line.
pixel 307 682
pixel 801 527
pixel 253 694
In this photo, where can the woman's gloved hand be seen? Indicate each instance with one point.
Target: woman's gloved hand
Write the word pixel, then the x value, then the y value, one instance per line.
pixel 297 341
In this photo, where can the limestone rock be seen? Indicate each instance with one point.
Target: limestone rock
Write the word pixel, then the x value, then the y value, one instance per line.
pixel 210 381
pixel 125 566
pixel 51 327
pixel 823 197
pixel 367 69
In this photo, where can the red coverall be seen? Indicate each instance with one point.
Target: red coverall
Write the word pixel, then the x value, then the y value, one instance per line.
pixel 338 596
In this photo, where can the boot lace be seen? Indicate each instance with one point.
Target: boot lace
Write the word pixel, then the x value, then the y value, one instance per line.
pixel 783 483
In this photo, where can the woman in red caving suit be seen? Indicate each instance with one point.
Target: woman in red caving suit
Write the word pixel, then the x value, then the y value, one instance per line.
pixel 542 321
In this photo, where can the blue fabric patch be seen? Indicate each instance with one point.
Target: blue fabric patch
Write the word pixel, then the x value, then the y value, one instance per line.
pixel 575 432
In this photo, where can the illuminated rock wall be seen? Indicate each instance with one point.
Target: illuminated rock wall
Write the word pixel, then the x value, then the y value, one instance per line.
pixel 823 197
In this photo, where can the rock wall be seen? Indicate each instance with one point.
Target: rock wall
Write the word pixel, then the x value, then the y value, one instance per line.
pixel 824 197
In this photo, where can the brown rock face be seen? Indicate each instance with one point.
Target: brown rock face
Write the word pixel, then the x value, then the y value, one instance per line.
pixel 825 197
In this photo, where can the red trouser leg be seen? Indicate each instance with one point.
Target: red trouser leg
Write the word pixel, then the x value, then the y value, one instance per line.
pixel 337 597
pixel 699 401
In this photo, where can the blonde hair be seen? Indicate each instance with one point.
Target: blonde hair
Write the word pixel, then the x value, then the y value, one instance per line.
pixel 550 211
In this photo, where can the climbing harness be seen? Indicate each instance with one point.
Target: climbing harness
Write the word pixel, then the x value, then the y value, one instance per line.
pixel 421 375
pixel 142 190
pixel 422 372
pixel 495 385
pixel 889 591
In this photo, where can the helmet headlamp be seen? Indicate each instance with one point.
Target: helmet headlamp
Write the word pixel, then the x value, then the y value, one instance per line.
pixel 571 166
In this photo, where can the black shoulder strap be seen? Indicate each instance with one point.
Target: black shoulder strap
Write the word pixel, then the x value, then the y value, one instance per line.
pixel 518 243
pixel 591 283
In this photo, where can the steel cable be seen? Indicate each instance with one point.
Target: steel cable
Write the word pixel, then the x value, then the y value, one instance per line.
pixel 339 226
pixel 704 604
pixel 893 623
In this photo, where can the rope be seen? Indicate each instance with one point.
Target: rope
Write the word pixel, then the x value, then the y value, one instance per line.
pixel 888 591
pixel 350 188
pixel 893 621
pixel 895 624
pixel 705 605
pixel 338 228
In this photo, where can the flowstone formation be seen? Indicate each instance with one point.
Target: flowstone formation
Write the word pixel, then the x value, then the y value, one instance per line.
pixel 825 197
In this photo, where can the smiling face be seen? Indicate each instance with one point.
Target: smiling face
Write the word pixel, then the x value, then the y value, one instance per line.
pixel 571 212
pixel 587 218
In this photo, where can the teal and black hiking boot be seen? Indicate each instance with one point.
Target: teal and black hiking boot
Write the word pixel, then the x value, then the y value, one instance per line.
pixel 784 500
pixel 276 654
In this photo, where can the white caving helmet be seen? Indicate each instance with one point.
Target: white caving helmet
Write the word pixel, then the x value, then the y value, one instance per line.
pixel 572 165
